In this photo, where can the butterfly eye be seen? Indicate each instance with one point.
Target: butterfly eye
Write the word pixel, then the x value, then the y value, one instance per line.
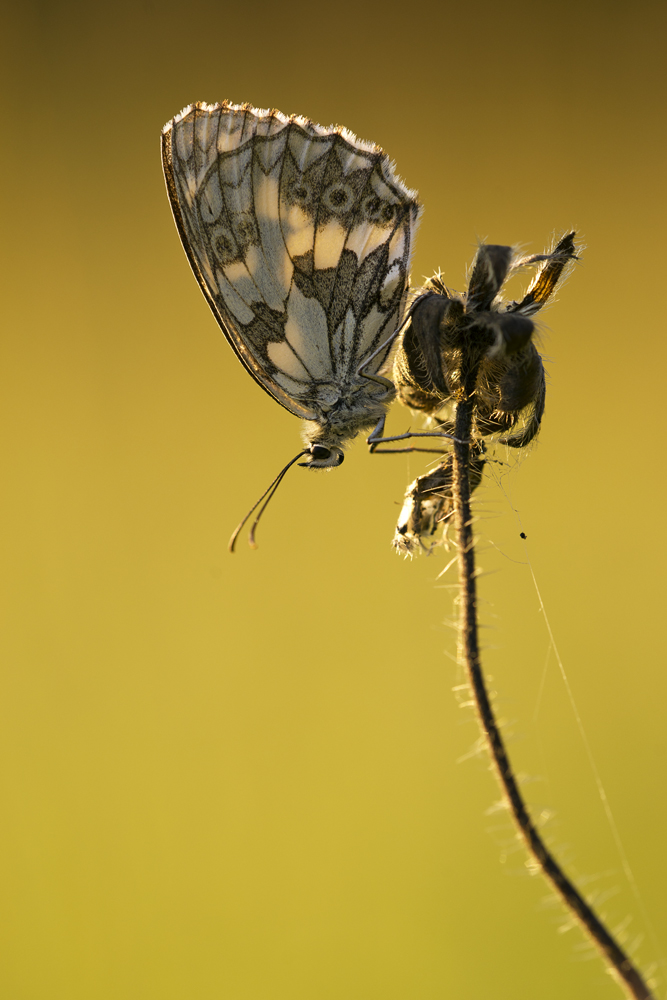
pixel 321 457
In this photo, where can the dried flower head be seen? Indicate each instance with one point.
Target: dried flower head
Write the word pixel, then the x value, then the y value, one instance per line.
pixel 448 337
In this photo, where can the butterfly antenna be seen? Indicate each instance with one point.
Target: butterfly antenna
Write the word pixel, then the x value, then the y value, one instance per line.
pixel 268 494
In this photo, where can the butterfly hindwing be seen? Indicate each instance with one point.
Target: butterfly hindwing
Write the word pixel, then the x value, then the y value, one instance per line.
pixel 300 237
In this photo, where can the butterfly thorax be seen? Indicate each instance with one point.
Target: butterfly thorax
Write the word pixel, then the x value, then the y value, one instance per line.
pixel 353 412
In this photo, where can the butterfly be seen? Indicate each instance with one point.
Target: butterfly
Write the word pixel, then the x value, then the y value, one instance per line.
pixel 300 238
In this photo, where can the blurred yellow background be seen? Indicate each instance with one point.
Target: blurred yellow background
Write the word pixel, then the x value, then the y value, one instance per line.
pixel 236 776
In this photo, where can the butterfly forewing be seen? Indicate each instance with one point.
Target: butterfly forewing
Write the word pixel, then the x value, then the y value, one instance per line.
pixel 300 237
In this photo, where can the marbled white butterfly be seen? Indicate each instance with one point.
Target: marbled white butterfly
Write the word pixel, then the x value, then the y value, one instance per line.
pixel 300 237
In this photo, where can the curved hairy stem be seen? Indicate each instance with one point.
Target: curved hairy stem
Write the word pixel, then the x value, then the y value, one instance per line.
pixel 621 965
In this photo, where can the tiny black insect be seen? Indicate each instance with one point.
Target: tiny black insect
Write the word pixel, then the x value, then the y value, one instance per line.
pixel 523 535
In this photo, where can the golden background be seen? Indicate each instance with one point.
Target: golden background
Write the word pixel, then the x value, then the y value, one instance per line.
pixel 236 776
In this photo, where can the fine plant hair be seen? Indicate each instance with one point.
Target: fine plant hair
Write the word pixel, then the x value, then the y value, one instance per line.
pixel 475 353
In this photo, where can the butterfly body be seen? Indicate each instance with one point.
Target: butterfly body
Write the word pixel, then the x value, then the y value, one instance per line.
pixel 300 237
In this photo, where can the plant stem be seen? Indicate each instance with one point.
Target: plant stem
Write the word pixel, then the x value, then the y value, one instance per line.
pixel 620 963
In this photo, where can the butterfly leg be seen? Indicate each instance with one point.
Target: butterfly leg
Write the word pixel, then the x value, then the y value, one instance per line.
pixel 379 380
pixel 376 437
